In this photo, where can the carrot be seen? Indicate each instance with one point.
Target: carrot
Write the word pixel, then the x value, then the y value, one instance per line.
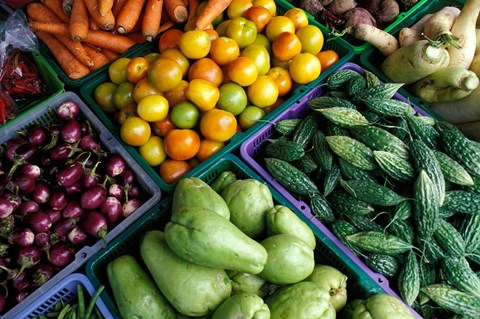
pixel 129 15
pixel 41 13
pixel 212 9
pixel 110 54
pixel 117 6
pixel 92 25
pixel 50 27
pixel 151 19
pixel 79 22
pixel 383 41
pixel 464 28
pixel 176 10
pixel 104 7
pixel 67 6
pixel 76 48
pixel 439 25
pixel 136 36
pixel 67 61
pixel 56 7
pixel 106 22
pixel 106 40
pixel 99 59
pixel 192 8
pixel 165 26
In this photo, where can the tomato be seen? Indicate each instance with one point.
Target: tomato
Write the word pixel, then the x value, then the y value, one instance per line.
pixel 242 71
pixel 237 8
pixel 195 44
pixel 212 34
pixel 222 28
pixel 250 116
pixel 177 56
pixel 268 4
pixel 207 69
pixel 185 115
pixel 224 50
pixel 172 170
pixel 259 55
pixel 135 131
pixel 208 148
pixel 137 69
pixel 263 92
pixel 285 46
pixel 282 79
pixel 277 25
pixel 298 16
pixel 142 89
pixel 123 94
pixel 125 112
pixel 262 40
pixel 117 71
pixel 161 128
pixel 153 108
pixel 327 58
pixel 177 94
pixel 233 98
pixel 218 125
pixel 258 15
pixel 169 39
pixel 203 94
pixel 153 151
pixel 165 74
pixel 241 30
pixel 103 95
pixel 152 56
pixel 282 64
pixel 182 144
pixel 305 68
pixel 311 38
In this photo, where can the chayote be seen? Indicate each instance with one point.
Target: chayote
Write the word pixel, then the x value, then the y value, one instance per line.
pixel 332 281
pixel 289 261
pixel 382 306
pixel 347 311
pixel 248 201
pixel 242 306
pixel 282 220
pixel 249 283
pixel 303 300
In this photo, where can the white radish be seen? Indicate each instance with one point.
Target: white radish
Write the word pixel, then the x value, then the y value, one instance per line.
pixel 464 28
pixel 439 25
pixel 413 34
pixel 460 111
pixel 383 41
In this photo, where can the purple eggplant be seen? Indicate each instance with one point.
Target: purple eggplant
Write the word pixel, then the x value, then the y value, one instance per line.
pixel 37 135
pixel 43 272
pixel 27 257
pixel 134 192
pixel 112 209
pixel 14 200
pixel 115 165
pixel 6 208
pixel 71 131
pixel 24 184
pixel 22 155
pixel 21 295
pixel 32 170
pixel 39 222
pixel 20 281
pixel 74 189
pixel 64 226
pixel 115 190
pixel 55 215
pixel 73 210
pixel 28 207
pixel 90 177
pixel 95 225
pixel 41 193
pixel 128 178
pixel 61 254
pixel 77 236
pixel 58 199
pixel 11 147
pixel 69 175
pixel 90 143
pixel 93 197
pixel 63 151
pixel 130 206
pixel 68 110
pixel 43 241
pixel 23 238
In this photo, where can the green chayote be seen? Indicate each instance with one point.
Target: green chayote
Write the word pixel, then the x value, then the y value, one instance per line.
pixel 244 306
pixel 382 306
pixel 332 281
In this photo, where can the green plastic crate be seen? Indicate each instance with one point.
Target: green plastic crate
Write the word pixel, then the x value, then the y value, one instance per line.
pixel 371 58
pixel 359 285
pixel 87 92
pixel 360 46
pixel 50 78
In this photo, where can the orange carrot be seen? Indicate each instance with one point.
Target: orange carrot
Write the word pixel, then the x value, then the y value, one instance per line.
pixel 41 13
pixel 138 26
pixel 106 22
pixel 110 54
pixel 107 40
pixel 136 36
pixel 92 25
pixel 151 19
pixel 117 6
pixel 165 26
pixel 77 49
pixel 129 15
pixel 176 10
pixel 56 7
pixel 99 59
pixel 50 27
pixel 105 6
pixel 67 61
pixel 79 23
pixel 212 9
pixel 192 8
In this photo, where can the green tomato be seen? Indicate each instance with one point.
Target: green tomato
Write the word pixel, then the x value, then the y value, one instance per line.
pixel 185 115
pixel 233 98
pixel 243 31
pixel 250 116
pixel 117 71
pixel 103 95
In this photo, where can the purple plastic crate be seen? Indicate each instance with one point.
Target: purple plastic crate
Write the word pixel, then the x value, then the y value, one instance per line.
pixel 254 146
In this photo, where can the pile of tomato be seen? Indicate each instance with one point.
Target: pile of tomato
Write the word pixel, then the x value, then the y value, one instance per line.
pixel 180 105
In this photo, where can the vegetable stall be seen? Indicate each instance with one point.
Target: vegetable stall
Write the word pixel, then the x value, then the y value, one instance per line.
pixel 239 158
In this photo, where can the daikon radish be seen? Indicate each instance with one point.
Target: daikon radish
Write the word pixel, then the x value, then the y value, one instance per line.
pixel 439 25
pixel 383 41
pixel 460 111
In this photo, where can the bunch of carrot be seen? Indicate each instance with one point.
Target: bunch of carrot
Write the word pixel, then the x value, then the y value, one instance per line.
pixel 84 35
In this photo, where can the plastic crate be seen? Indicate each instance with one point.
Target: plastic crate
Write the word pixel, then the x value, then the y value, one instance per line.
pixel 361 282
pixel 372 58
pixel 52 82
pixel 252 151
pixel 44 114
pixel 360 46
pixel 87 92
pixel 65 290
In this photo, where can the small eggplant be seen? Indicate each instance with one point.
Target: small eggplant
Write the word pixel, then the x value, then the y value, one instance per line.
pixel 41 193
pixel 95 225
pixel 6 208
pixel 32 170
pixel 115 165
pixel 72 210
pixel 112 209
pixel 71 131
pixel 93 197
pixel 36 135
pixel 58 199
pixel 70 174
pixel 61 254
pixel 77 236
pixel 39 222
pixel 130 206
pixel 23 238
pixel 68 110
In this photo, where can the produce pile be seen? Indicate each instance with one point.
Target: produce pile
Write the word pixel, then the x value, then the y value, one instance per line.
pixel 181 104
pixel 258 263
pixel 401 190
pixel 60 190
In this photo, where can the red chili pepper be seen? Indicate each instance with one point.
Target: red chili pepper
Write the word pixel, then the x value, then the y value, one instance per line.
pixel 7 107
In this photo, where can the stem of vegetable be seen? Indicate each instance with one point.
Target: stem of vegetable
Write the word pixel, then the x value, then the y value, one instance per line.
pixel 93 301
